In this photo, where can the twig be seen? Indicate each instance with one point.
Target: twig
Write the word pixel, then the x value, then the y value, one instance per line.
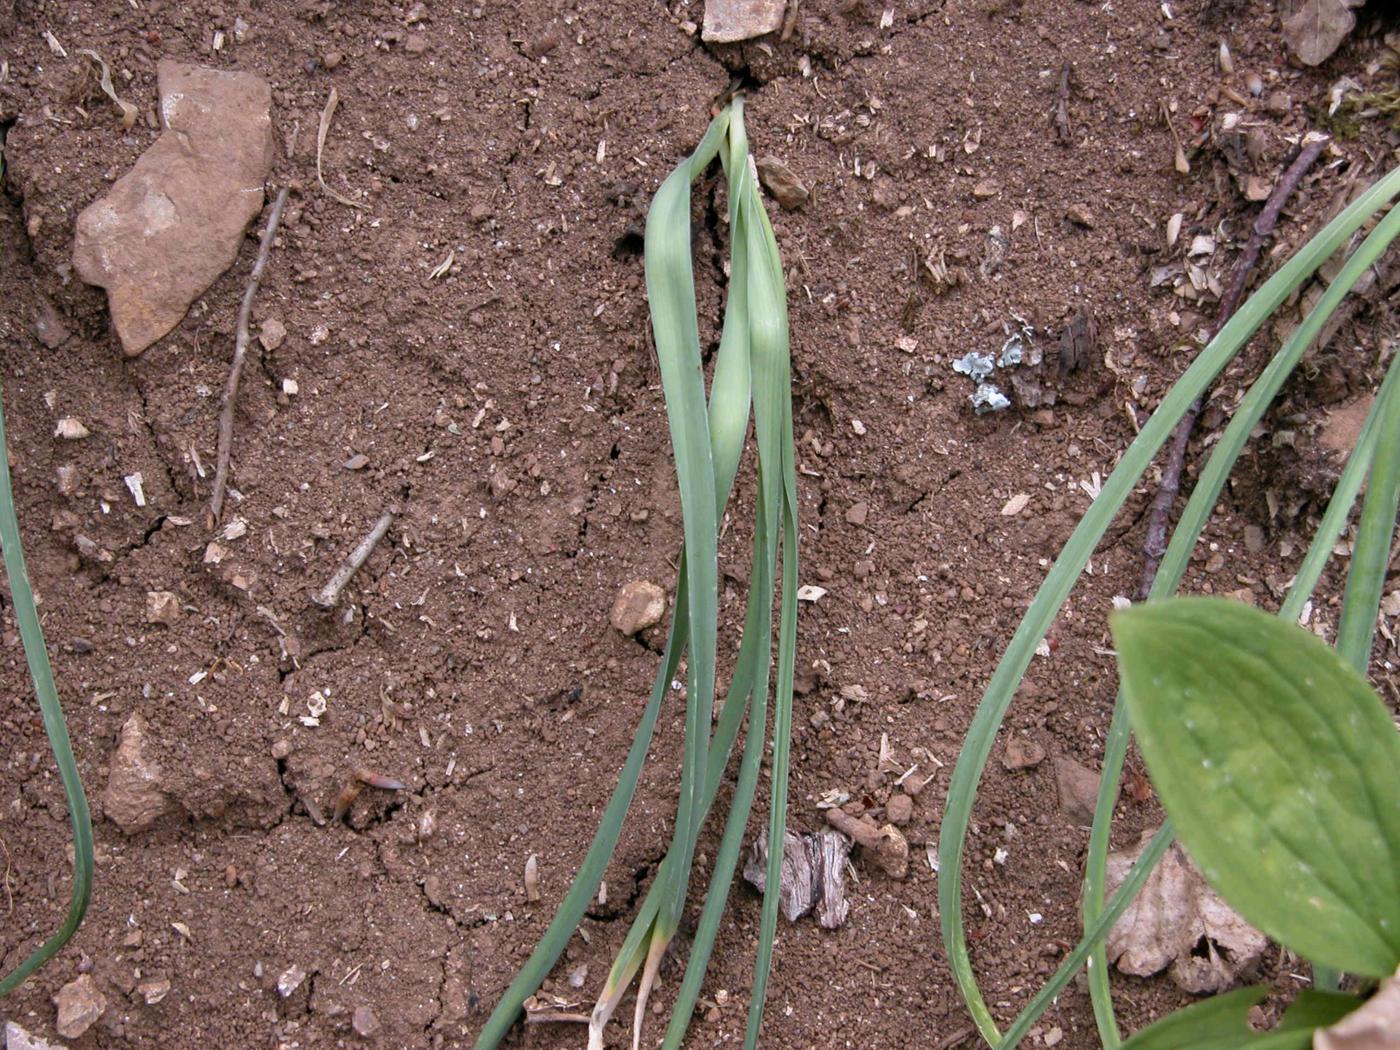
pixel 789 21
pixel 329 595
pixel 950 1041
pixel 1155 545
pixel 321 131
pixel 1064 130
pixel 240 351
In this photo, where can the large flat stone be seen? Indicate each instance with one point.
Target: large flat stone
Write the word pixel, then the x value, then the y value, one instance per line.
pixel 172 224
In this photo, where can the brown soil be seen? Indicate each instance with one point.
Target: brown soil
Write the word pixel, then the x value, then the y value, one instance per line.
pixel 473 657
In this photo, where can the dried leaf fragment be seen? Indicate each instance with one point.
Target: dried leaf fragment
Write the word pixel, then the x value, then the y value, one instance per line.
pixel 1318 27
pixel 1174 916
pixel 813 874
pixel 128 111
pixel 1373 1026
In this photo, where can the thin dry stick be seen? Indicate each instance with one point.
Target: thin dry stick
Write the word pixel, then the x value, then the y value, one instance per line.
pixel 329 595
pixel 1064 130
pixel 240 351
pixel 322 130
pixel 1155 545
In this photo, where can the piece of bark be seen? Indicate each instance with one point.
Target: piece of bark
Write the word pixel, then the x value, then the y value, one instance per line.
pixel 813 875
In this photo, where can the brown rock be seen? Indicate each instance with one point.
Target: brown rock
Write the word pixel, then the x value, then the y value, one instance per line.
pixel 1343 427
pixel 1022 753
pixel 271 333
pixel 857 514
pixel 1079 790
pixel 16 1038
pixel 49 328
pixel 416 44
pixel 900 809
pixel 162 607
pixel 134 798
pixel 729 20
pixel 170 226
pixel 639 605
pixel 364 1022
pixel 1080 216
pixel 782 183
pixel 79 1004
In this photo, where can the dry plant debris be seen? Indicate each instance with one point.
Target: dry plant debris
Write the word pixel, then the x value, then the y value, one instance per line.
pixel 1178 921
pixel 813 875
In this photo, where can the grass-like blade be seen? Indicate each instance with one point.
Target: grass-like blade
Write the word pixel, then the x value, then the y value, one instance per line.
pixel 1370 556
pixel 595 862
pixel 41 674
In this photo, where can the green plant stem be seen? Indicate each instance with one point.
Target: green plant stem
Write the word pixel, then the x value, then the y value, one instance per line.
pixel 41 674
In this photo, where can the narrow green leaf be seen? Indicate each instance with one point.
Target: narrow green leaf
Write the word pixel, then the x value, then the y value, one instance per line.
pixel 768 335
pixel 1370 557
pixel 41 674
pixel 1277 764
pixel 1204 496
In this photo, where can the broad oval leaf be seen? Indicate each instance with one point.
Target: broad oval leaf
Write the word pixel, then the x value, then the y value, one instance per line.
pixel 1278 765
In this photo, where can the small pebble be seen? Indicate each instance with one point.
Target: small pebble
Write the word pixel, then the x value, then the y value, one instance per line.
pixel 70 429
pixel 1080 216
pixel 331 59
pixel 639 604
pixel 364 1022
pixel 356 462
pixel 899 809
pixel 857 514
pixel 79 1005
pixel 782 183
pixel 272 333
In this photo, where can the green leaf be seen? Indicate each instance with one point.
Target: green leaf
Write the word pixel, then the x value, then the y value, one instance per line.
pixel 1314 1009
pixel 981 734
pixel 1278 765
pixel 36 653
pixel 1222 1023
